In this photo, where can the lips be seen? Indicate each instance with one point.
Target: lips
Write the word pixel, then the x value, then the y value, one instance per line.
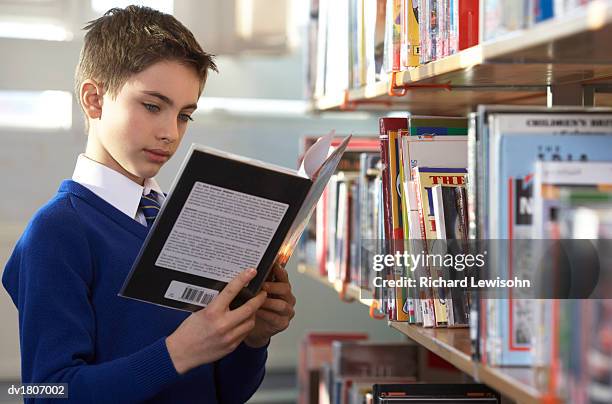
pixel 157 155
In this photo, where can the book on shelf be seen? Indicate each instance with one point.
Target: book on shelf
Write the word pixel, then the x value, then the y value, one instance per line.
pixel 374 38
pixel 534 175
pixel 357 65
pixel 434 393
pixel 337 69
pixel 391 55
pixel 399 298
pixel 451 230
pixel 225 213
pixel 409 42
pixel 428 141
pixel 339 266
pixel 579 366
pixel 425 179
pixel 323 226
pixel 367 359
pixel 388 134
pixel 421 304
pixel 319 23
pixel 315 350
pixel 505 144
pixel 370 362
pixel 468 23
pixel 368 220
pixel 515 143
pixel 388 126
pixel 433 150
pixel 356 43
pixel 437 125
pixel 501 17
pixel 404 144
pixel 342 367
pixel 550 177
pixel 311 63
pixel 554 219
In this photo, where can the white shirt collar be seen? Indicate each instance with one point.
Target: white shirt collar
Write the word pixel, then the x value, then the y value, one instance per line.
pixel 112 186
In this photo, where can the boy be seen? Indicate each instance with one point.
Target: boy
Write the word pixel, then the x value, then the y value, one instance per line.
pixel 139 77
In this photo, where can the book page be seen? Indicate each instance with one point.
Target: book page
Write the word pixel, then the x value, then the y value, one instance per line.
pixel 220 232
pixel 320 179
pixel 316 155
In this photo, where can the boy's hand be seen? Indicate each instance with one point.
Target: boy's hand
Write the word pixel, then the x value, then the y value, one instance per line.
pixel 276 312
pixel 211 333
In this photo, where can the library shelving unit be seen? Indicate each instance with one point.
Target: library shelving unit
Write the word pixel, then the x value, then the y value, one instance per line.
pixel 562 61
pixel 452 345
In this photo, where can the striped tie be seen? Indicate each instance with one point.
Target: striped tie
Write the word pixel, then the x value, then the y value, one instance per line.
pixel 150 207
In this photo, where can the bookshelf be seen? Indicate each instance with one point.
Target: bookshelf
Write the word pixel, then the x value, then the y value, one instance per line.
pixel 453 345
pixel 574 49
pixel 566 60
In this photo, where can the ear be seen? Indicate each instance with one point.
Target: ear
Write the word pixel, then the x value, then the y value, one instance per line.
pixel 91 98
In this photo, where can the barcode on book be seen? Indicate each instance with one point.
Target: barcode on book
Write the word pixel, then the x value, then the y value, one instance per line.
pixel 184 292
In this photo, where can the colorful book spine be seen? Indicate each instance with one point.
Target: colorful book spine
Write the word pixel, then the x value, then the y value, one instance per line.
pixel 468 23
pixel 394 185
pixel 543 10
pixel 386 125
pixel 437 126
pixel 411 46
pixel 397 33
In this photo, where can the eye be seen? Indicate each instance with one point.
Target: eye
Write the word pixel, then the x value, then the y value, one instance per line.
pixel 151 107
pixel 185 117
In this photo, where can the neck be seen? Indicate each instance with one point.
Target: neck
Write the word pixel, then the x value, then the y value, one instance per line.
pixel 95 151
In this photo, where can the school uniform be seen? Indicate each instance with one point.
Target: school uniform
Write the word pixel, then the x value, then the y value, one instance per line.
pixel 64 276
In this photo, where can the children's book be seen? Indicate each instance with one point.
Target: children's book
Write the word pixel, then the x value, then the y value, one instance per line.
pixel 515 143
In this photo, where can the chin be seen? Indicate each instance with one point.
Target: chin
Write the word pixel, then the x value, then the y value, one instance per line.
pixel 149 171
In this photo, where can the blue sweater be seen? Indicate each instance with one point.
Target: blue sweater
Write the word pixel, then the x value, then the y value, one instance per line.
pixel 64 276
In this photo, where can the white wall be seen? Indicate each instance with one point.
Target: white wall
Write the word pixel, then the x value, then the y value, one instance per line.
pixel 33 163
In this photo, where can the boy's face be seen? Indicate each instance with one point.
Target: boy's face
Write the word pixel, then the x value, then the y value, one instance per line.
pixel 142 127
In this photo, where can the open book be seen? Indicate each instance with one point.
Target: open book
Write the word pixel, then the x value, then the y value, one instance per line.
pixel 226 213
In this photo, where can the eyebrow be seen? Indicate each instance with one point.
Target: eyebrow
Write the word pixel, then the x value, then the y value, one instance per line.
pixel 167 100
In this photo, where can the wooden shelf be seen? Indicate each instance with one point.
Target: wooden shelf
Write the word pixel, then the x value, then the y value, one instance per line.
pixel 453 345
pixel 514 69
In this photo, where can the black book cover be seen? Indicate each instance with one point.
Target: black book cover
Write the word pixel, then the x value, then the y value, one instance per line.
pixel 434 393
pixel 455 222
pixel 224 214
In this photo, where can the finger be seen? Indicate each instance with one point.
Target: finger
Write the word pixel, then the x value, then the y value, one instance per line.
pixel 269 316
pixel 280 274
pixel 277 288
pixel 248 309
pixel 241 330
pixel 278 306
pixel 231 290
pixel 276 320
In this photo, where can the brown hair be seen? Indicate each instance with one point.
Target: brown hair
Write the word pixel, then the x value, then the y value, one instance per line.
pixel 126 41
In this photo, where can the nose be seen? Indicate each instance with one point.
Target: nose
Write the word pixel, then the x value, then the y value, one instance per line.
pixel 170 131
